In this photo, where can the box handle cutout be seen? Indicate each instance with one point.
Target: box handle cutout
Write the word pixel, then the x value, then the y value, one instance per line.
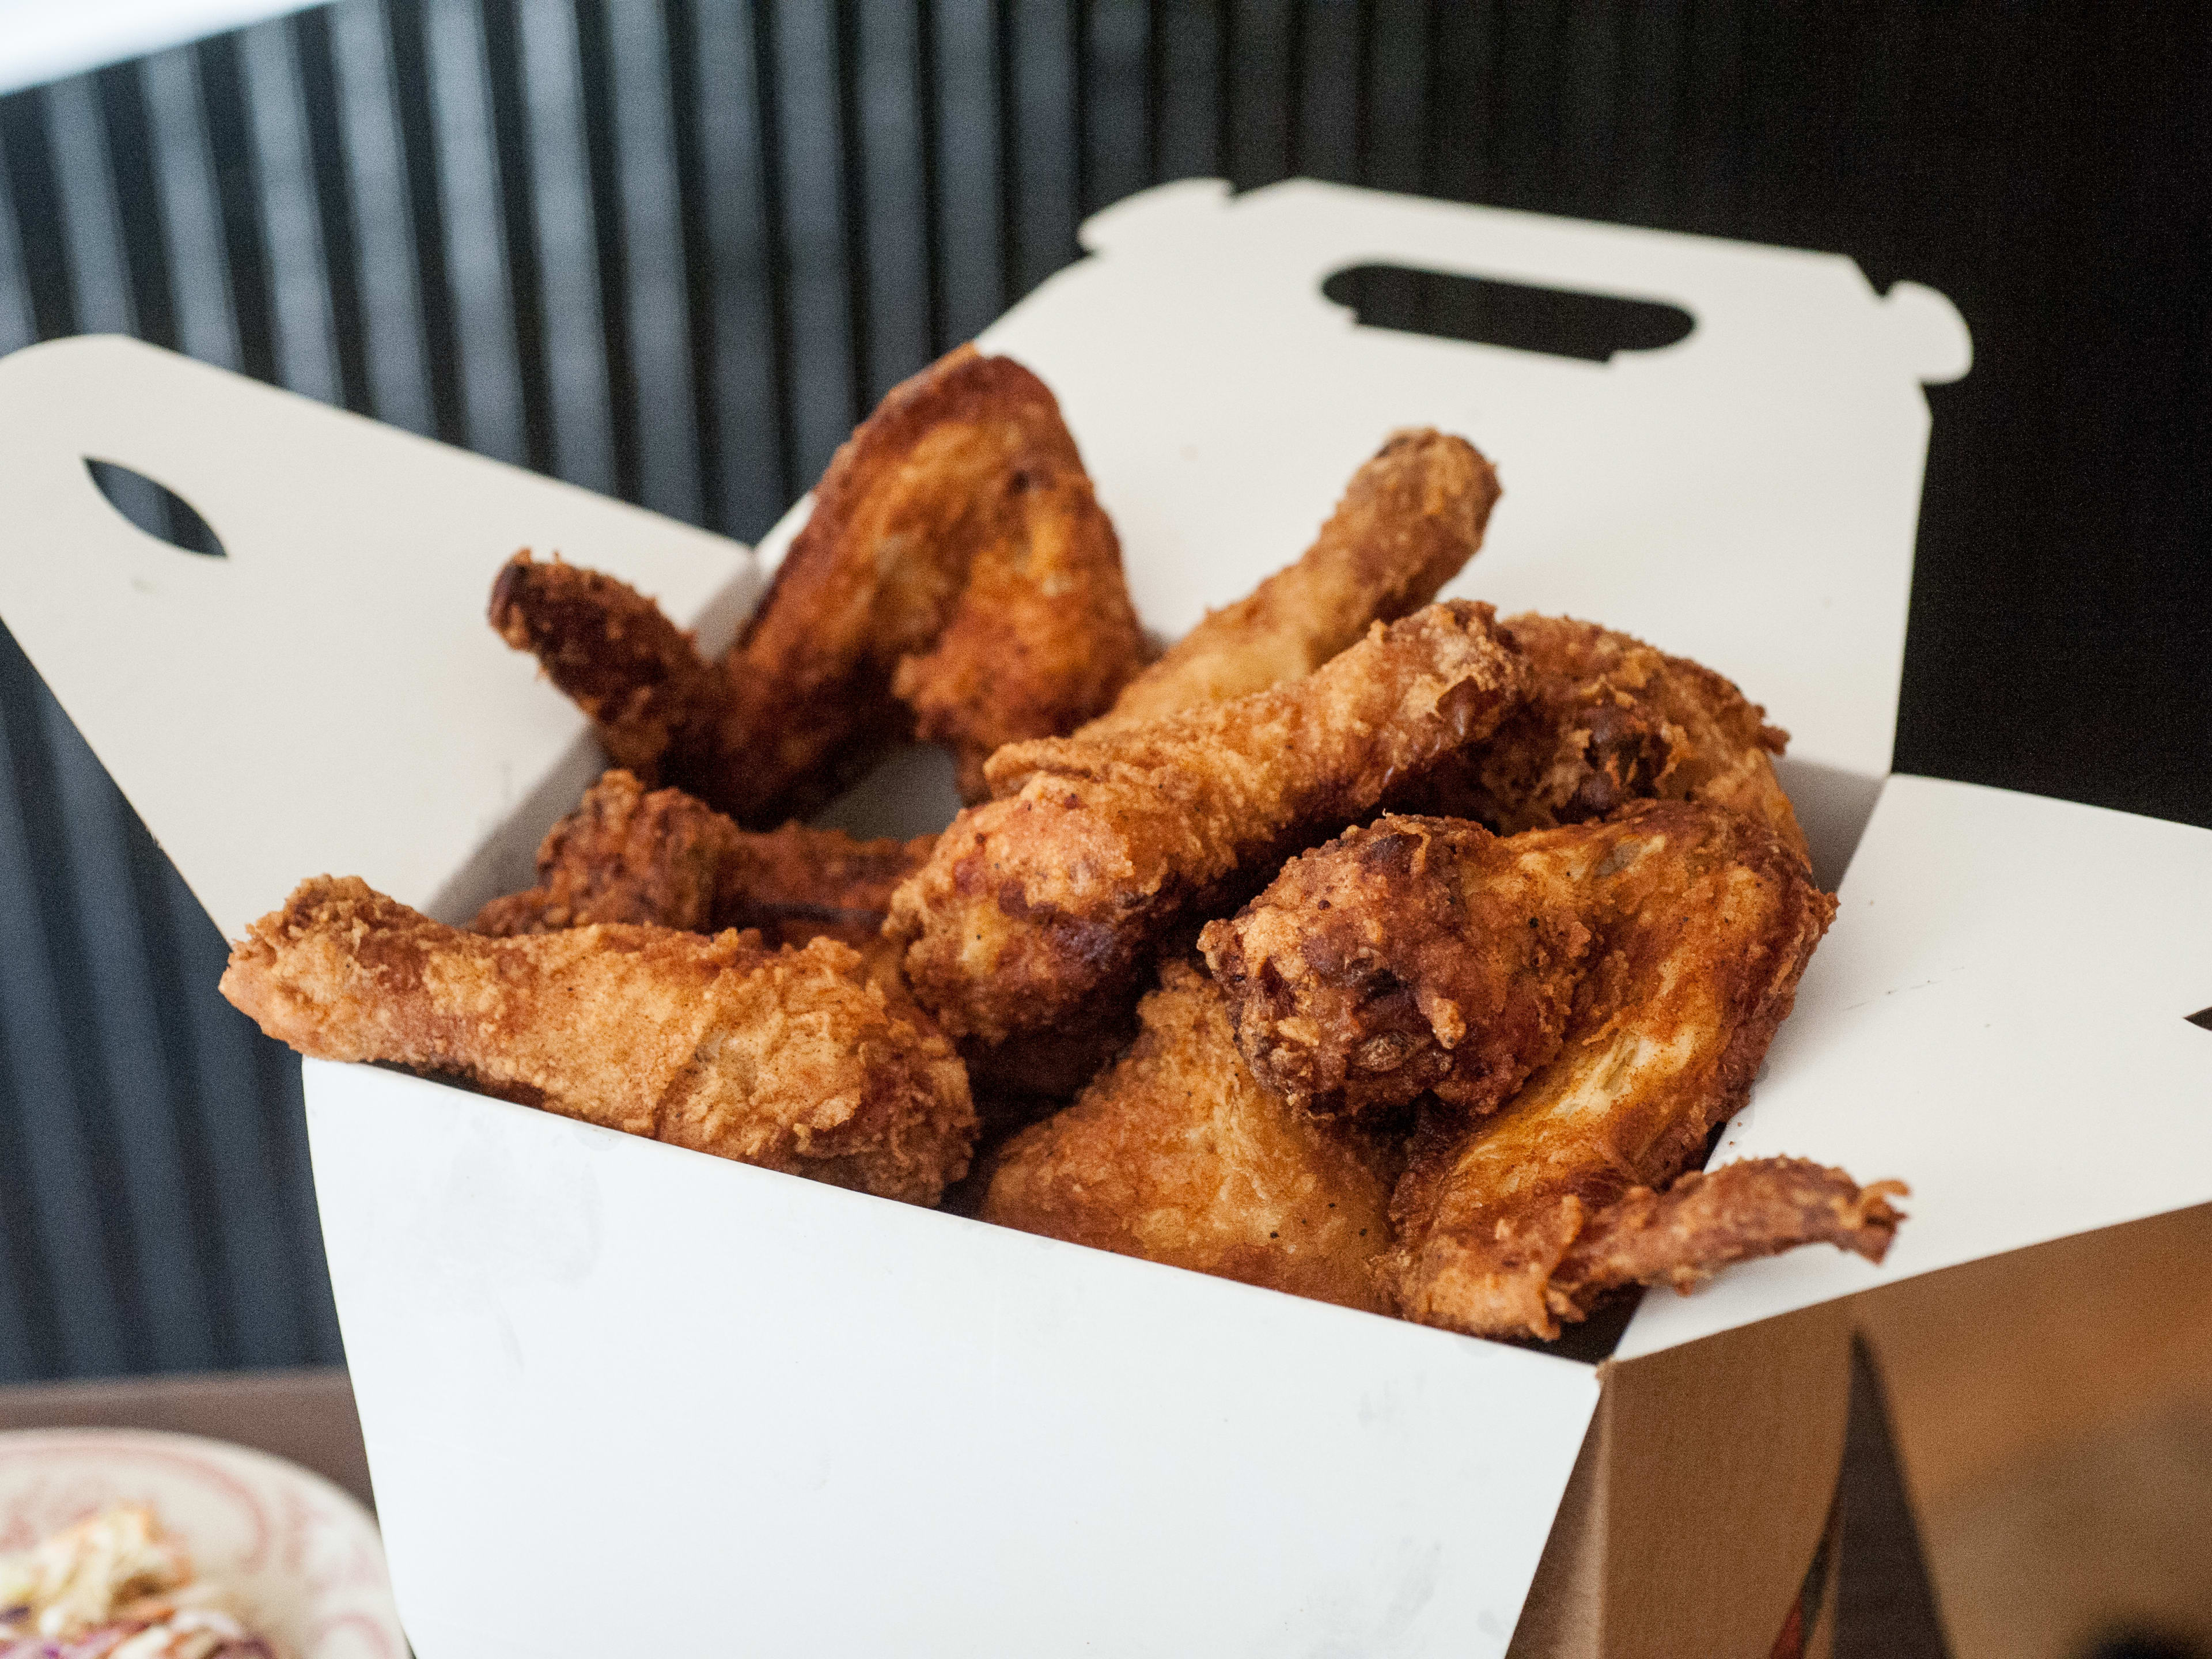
pixel 155 509
pixel 2202 1018
pixel 1558 321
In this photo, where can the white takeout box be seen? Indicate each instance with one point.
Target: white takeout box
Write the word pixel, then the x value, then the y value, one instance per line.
pixel 617 1393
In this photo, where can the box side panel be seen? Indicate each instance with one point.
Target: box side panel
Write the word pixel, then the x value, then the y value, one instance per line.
pixel 1562 1618
pixel 647 1393
pixel 2052 1409
pixel 1999 1017
pixel 1720 1465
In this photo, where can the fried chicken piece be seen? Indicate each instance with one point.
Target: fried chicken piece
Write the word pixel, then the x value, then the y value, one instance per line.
pixel 1708 1220
pixel 1044 635
pixel 797 883
pixel 787 1059
pixel 623 855
pixel 634 673
pixel 1610 719
pixel 1701 922
pixel 664 860
pixel 956 558
pixel 1413 954
pixel 1411 517
pixel 1049 901
pixel 1178 1156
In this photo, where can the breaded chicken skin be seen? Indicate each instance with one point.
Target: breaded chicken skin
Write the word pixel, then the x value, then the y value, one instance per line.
pixel 1410 518
pixel 1708 1220
pixel 957 577
pixel 1039 905
pixel 663 859
pixel 1412 956
pixel 786 1059
pixel 1610 719
pixel 1177 1155
pixel 1701 922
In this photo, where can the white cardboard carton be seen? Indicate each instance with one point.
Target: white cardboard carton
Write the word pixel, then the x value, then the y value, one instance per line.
pixel 613 1392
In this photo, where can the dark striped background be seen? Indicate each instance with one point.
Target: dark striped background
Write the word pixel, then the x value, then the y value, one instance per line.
pixel 671 248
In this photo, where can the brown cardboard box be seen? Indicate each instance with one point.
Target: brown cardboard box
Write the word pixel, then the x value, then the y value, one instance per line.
pixel 1697 1509
pixel 2052 1410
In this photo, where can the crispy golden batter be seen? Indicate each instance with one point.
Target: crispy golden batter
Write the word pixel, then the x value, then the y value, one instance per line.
pixel 1610 719
pixel 1410 518
pixel 1413 954
pixel 634 674
pixel 1177 1155
pixel 1043 635
pixel 1704 1221
pixel 1702 922
pixel 956 557
pixel 1050 902
pixel 623 855
pixel 788 1059
pixel 662 859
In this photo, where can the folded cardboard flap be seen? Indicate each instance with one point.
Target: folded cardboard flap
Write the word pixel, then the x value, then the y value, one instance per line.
pixel 1747 496
pixel 1998 1017
pixel 326 696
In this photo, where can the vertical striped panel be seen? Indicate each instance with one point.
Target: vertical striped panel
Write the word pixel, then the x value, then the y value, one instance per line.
pixel 742 365
pixel 376 219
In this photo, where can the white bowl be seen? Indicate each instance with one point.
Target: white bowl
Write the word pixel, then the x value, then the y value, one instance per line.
pixel 303 1559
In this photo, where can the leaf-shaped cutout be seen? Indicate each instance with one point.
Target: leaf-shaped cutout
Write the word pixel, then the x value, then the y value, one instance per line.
pixel 153 508
pixel 1562 322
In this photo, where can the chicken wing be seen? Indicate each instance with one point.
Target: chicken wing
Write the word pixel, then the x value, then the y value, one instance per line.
pixel 956 558
pixel 663 859
pixel 787 1059
pixel 1610 719
pixel 1410 518
pixel 1043 635
pixel 1701 922
pixel 1177 1155
pixel 1706 1220
pixel 1049 902
pixel 1416 954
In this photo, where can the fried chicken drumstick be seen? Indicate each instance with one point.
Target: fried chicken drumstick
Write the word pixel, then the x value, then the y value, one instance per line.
pixel 1177 1155
pixel 1410 518
pixel 1610 719
pixel 1411 957
pixel 957 578
pixel 788 1059
pixel 1043 904
pixel 662 859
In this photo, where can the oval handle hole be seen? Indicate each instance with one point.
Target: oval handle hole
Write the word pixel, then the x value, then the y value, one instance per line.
pixel 153 508
pixel 1562 322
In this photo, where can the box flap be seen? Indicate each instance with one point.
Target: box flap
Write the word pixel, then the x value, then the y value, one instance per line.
pixel 1748 496
pixel 871 1428
pixel 2000 1016
pixel 327 695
